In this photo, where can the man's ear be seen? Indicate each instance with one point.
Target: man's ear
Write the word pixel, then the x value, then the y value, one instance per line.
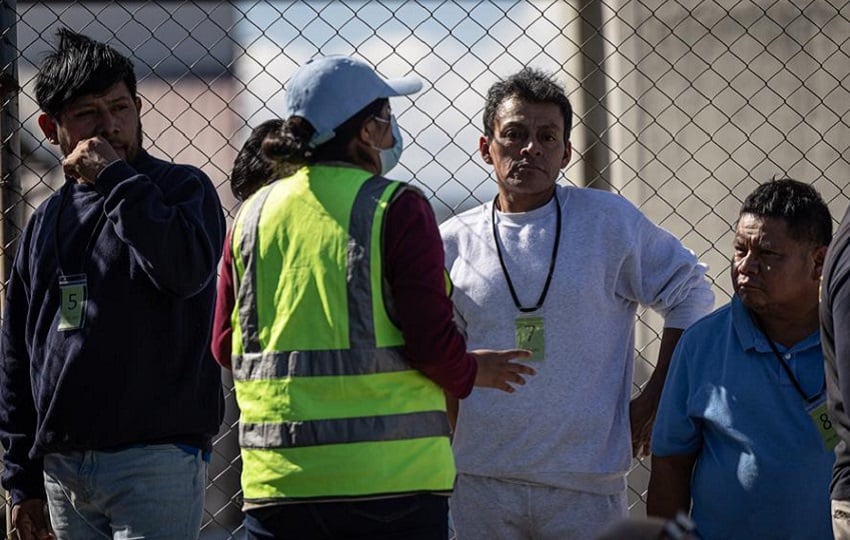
pixel 138 104
pixel 367 133
pixel 484 150
pixel 48 127
pixel 818 257
pixel 568 154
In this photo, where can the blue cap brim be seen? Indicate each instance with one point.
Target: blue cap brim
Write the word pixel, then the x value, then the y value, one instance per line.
pixel 405 85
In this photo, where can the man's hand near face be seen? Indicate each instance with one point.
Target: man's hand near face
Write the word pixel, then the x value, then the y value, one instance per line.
pixel 88 158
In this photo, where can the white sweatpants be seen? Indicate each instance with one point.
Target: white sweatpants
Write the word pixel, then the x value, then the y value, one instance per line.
pixel 493 509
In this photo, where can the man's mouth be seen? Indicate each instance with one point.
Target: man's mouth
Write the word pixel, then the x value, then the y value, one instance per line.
pixel 527 167
pixel 749 285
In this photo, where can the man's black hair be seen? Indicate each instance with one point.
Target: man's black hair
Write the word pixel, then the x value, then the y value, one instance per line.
pixel 530 85
pixel 78 66
pixel 251 169
pixel 798 204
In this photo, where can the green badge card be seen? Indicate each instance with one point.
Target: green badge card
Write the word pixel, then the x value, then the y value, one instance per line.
pixel 529 335
pixel 820 417
pixel 74 292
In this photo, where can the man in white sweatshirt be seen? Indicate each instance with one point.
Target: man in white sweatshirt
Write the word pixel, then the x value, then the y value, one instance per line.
pixel 561 271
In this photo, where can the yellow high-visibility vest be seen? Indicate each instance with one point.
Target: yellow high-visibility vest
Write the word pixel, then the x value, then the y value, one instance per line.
pixel 329 407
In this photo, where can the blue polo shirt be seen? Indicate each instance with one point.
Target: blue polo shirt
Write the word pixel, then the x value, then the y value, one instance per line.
pixel 762 470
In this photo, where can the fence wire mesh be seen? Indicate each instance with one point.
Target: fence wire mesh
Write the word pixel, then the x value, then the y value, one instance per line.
pixel 681 106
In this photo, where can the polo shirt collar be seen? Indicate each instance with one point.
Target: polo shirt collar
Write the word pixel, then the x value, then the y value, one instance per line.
pixel 751 338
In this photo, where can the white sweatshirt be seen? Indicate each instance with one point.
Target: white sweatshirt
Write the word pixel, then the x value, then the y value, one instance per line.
pixel 569 425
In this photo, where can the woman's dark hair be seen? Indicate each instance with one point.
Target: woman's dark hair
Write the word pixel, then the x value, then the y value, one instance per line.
pixel 79 66
pixel 251 169
pixel 290 145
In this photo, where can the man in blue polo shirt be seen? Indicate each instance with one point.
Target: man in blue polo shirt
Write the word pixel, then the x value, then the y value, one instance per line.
pixel 742 429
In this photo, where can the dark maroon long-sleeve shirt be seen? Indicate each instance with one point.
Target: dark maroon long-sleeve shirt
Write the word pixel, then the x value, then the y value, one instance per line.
pixel 414 268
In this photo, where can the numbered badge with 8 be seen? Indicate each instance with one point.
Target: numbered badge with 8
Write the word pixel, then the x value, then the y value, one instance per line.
pixel 818 414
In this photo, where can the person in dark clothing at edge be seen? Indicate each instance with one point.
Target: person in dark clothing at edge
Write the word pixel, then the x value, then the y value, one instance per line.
pixel 333 314
pixel 109 396
pixel 835 340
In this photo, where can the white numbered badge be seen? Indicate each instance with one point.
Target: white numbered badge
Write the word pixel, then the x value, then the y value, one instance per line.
pixel 74 293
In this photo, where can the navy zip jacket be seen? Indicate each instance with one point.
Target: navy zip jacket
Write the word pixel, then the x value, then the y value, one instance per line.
pixel 147 236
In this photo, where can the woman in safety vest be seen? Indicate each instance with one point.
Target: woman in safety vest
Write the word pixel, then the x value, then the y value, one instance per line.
pixel 343 342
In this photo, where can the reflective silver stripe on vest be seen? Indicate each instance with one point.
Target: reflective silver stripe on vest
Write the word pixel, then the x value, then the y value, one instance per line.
pixel 246 295
pixel 345 430
pixel 275 365
pixel 360 316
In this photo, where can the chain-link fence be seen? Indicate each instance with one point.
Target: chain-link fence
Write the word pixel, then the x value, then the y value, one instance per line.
pixel 681 106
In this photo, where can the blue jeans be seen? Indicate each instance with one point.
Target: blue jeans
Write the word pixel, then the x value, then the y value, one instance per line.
pixel 414 517
pixel 149 492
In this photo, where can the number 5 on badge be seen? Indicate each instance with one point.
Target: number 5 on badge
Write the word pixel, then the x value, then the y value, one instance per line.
pixel 74 294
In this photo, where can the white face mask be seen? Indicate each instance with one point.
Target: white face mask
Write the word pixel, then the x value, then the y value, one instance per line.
pixel 389 156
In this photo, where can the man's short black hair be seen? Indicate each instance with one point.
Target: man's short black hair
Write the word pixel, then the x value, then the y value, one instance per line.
pixel 798 204
pixel 533 86
pixel 78 66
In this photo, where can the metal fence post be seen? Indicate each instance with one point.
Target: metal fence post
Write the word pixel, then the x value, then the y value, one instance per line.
pixel 10 148
pixel 9 160
pixel 596 161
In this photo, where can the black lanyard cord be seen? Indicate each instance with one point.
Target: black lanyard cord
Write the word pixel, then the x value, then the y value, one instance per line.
pixel 551 261
pixel 785 366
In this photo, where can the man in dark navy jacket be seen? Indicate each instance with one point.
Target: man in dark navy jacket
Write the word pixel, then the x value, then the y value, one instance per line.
pixel 109 396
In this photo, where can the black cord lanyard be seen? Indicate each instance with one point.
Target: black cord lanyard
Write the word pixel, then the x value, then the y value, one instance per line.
pixel 551 262
pixel 778 355
pixel 63 197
